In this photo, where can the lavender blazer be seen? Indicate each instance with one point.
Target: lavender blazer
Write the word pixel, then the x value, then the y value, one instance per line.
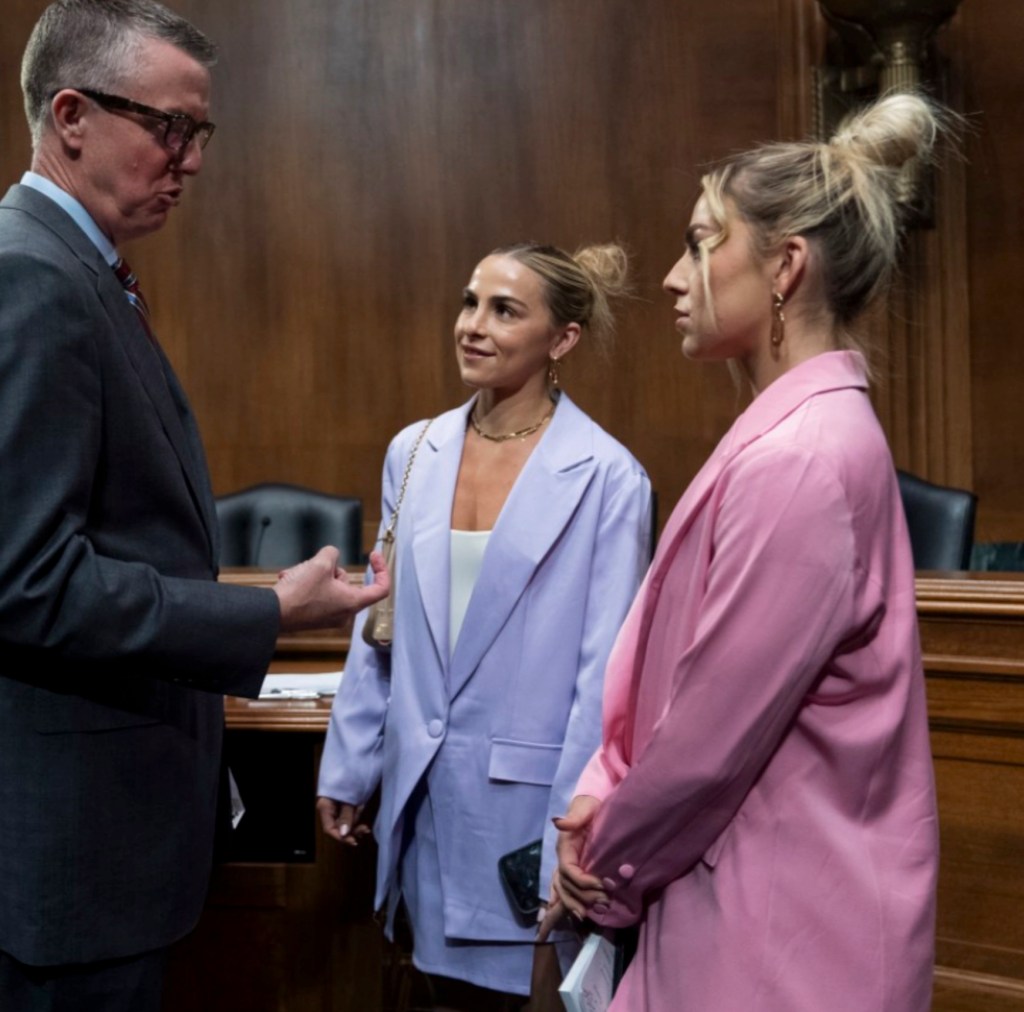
pixel 506 721
pixel 768 804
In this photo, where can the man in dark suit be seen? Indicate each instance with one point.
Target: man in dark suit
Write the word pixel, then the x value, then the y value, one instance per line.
pixel 116 641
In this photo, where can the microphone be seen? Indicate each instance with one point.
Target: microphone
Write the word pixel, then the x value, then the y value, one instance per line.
pixel 255 555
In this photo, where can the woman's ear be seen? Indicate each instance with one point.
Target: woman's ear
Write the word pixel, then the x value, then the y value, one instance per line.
pixel 791 265
pixel 565 340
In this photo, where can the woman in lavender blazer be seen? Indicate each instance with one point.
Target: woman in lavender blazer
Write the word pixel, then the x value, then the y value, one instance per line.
pixel 522 538
pixel 763 801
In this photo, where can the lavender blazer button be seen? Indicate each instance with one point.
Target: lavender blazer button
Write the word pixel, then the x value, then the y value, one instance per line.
pixel 435 728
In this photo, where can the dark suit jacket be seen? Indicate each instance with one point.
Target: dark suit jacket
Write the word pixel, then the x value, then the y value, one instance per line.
pixel 115 641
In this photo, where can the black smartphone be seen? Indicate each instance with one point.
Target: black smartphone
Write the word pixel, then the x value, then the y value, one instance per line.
pixel 519 871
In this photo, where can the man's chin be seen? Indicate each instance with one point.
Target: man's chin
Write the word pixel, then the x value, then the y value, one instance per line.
pixel 143 225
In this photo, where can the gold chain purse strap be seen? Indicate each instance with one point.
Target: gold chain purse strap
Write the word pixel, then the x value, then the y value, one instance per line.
pixel 379 627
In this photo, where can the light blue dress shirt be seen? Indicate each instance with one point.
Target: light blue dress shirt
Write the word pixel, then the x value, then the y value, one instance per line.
pixel 78 213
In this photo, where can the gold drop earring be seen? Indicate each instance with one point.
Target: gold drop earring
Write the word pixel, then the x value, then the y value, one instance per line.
pixel 778 320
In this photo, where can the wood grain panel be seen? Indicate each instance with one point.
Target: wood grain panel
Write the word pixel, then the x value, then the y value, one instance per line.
pixel 992 255
pixel 972 636
pixel 369 152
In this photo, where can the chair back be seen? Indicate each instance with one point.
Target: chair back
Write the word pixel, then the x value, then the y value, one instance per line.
pixel 941 522
pixel 276 525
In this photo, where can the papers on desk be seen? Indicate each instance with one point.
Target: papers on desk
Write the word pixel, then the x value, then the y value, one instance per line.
pixel 589 984
pixel 300 686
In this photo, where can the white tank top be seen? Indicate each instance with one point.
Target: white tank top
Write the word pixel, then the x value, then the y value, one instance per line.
pixel 467 556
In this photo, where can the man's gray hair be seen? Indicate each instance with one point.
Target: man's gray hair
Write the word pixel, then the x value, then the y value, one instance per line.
pixel 95 44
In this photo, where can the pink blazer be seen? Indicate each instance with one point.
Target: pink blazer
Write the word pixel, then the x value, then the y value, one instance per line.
pixel 768 808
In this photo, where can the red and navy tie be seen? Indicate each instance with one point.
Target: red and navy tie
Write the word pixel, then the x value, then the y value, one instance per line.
pixel 130 283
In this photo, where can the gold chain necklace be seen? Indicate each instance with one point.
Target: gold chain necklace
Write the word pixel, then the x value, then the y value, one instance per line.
pixel 505 436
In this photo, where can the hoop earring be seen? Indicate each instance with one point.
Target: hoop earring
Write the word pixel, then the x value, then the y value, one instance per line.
pixel 553 373
pixel 778 320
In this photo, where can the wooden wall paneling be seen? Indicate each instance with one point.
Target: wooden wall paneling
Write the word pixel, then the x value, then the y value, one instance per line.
pixel 992 254
pixel 802 34
pixel 368 153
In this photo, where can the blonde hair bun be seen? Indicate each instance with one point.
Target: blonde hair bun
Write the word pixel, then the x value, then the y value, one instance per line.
pixel 580 286
pixel 847 194
pixel 607 265
pixel 890 133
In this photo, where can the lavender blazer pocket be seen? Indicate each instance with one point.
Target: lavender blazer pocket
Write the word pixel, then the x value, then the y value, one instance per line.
pixel 523 762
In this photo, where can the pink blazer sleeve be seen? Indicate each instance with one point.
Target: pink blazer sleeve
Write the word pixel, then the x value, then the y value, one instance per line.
pixel 609 765
pixel 778 600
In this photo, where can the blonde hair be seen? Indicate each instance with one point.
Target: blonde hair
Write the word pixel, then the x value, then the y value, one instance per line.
pixel 844 194
pixel 578 287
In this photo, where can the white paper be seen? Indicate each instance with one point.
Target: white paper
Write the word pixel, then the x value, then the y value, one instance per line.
pixel 589 983
pixel 237 806
pixel 300 686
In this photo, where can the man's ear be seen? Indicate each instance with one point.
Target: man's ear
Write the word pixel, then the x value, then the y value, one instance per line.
pixel 68 109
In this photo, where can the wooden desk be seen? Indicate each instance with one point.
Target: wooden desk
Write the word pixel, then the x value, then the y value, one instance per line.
pixel 972 637
pixel 308 928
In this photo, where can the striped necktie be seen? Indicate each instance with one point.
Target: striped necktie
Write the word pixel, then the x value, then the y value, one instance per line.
pixel 130 283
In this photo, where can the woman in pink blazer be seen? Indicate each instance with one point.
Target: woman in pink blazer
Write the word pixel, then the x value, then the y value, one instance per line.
pixel 763 801
pixel 522 538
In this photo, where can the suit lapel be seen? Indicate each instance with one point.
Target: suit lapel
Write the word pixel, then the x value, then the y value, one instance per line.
pixel 155 373
pixel 541 503
pixel 165 394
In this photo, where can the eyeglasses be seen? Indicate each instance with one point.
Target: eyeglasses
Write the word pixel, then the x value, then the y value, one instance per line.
pixel 179 127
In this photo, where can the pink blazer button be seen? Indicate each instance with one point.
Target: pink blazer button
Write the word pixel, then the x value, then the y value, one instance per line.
pixel 627 871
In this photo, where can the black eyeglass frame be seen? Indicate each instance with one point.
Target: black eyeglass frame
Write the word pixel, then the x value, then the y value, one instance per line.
pixel 174 122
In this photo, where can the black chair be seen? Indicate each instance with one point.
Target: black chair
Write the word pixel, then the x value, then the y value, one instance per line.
pixel 941 522
pixel 998 557
pixel 276 525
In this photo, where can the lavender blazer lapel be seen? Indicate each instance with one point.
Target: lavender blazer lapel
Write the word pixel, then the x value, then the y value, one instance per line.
pixel 539 507
pixel 430 496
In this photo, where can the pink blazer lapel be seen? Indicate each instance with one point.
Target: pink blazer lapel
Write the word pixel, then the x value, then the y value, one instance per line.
pixel 829 371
